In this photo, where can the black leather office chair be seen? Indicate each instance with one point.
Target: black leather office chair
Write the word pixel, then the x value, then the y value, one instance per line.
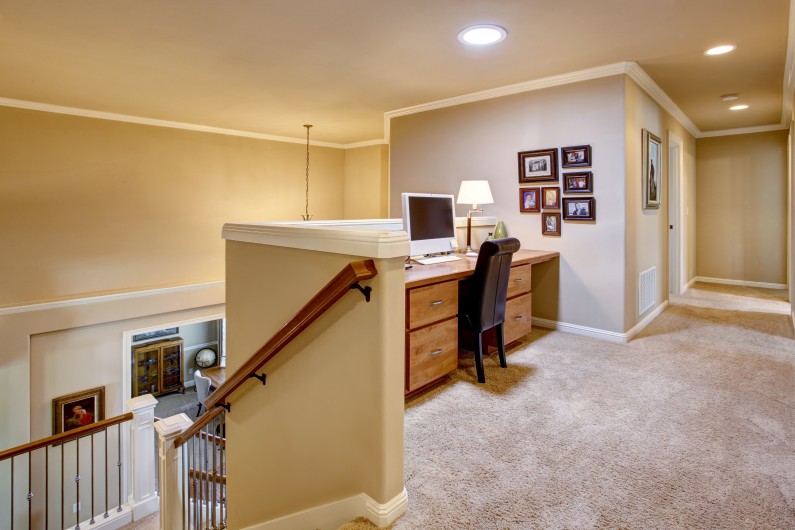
pixel 481 299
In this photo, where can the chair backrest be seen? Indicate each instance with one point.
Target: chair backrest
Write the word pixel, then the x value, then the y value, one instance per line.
pixel 490 282
pixel 202 385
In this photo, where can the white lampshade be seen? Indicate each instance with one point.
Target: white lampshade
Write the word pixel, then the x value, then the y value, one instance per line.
pixel 475 192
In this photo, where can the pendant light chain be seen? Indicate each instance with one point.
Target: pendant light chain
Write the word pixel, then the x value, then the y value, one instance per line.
pixel 306 216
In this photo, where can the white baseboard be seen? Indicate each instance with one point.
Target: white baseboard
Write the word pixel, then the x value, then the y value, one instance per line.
pixel 112 522
pixel 602 334
pixel 145 507
pixel 576 329
pixel 744 283
pixel 333 515
pixel 687 286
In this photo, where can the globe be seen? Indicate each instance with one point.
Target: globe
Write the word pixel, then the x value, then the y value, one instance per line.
pixel 205 358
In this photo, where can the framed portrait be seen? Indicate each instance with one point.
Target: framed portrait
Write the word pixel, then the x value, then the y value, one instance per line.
pixel 78 409
pixel 155 334
pixel 551 198
pixel 538 166
pixel 652 171
pixel 529 200
pixel 578 182
pixel 579 209
pixel 550 224
pixel 576 156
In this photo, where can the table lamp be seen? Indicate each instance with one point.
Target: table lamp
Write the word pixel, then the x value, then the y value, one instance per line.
pixel 473 192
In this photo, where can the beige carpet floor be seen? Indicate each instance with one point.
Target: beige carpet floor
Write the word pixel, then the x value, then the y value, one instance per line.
pixel 689 425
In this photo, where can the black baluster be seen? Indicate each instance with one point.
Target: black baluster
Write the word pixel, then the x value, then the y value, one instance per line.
pixel 30 489
pixel 47 488
pixel 118 434
pixel 106 475
pixel 12 494
pixel 77 485
pixel 92 480
pixel 63 487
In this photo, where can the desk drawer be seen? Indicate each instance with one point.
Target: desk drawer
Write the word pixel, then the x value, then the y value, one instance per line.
pixel 518 317
pixel 519 280
pixel 431 353
pixel 432 303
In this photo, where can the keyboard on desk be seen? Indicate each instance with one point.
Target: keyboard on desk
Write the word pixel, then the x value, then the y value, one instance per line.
pixel 436 259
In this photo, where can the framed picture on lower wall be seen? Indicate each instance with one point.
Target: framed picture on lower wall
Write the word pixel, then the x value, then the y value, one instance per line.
pixel 529 201
pixel 579 209
pixel 78 409
pixel 550 224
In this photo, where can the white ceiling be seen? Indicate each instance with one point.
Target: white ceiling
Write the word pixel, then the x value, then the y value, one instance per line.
pixel 269 66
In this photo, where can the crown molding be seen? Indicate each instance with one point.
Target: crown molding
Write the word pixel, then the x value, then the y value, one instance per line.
pixel 139 120
pixel 743 130
pixel 640 76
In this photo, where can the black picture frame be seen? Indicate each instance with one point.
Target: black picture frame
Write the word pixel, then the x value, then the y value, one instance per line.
pixel 540 165
pixel 579 182
pixel 579 209
pixel 575 156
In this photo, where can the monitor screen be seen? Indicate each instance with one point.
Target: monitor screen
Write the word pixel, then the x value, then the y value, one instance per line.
pixel 429 220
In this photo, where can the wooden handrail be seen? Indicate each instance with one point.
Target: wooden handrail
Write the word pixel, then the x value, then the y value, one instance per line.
pixel 65 437
pixel 325 298
pixel 204 476
pixel 197 426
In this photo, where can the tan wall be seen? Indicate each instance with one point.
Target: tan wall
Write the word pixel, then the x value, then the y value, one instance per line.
pixel 366 182
pixel 99 206
pixel 433 151
pixel 742 207
pixel 647 230
pixel 329 423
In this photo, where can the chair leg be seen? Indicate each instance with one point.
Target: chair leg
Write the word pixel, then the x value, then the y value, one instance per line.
pixel 501 346
pixel 198 411
pixel 479 358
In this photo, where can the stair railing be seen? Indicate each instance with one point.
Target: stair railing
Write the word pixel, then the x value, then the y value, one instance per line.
pixel 202 446
pixel 64 449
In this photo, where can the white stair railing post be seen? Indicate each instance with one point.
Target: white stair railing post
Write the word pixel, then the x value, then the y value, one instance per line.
pixel 170 470
pixel 142 464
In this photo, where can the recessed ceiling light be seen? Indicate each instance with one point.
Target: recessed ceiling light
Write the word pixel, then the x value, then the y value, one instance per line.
pixel 738 107
pixel 720 50
pixel 482 35
pixel 729 97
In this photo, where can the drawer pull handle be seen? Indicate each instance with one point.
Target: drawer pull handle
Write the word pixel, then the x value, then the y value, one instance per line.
pixel 519 280
pixel 436 303
pixel 435 352
pixel 520 317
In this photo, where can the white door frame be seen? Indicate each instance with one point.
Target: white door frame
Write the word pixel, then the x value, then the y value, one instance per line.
pixel 677 213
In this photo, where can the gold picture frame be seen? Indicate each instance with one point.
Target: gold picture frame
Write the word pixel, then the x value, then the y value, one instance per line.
pixel 78 409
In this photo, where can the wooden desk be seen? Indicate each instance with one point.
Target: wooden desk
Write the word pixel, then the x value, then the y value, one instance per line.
pixel 432 313
pixel 217 375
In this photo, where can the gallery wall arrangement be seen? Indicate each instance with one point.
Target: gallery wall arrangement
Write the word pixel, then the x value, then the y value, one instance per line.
pixel 541 166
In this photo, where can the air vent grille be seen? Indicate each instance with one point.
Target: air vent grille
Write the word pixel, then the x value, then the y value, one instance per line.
pixel 647 290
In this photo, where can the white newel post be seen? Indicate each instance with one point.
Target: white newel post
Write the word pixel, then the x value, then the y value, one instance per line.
pixel 142 465
pixel 170 470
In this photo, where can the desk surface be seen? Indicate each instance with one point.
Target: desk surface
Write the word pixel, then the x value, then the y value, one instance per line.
pixel 217 375
pixel 420 275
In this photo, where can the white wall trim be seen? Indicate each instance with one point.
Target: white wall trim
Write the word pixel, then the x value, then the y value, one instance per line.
pixel 139 120
pixel 576 329
pixel 725 281
pixel 324 236
pixel 602 334
pixel 333 515
pixel 202 346
pixel 643 79
pixel 688 285
pixel 744 130
pixel 640 326
pixel 104 298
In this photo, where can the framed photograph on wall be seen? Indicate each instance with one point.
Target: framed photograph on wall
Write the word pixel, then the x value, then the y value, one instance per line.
pixel 578 182
pixel 579 209
pixel 551 198
pixel 576 156
pixel 538 166
pixel 78 409
pixel 550 224
pixel 652 171
pixel 529 200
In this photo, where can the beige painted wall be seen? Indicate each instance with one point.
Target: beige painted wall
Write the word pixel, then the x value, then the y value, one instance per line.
pixel 647 230
pixel 433 151
pixel 99 206
pixel 329 423
pixel 742 207
pixel 366 182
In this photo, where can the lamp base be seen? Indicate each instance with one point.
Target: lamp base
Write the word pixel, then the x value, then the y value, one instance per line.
pixel 470 252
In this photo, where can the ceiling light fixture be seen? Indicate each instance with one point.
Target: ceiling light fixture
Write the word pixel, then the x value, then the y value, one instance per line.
pixel 720 50
pixel 729 97
pixel 482 35
pixel 738 107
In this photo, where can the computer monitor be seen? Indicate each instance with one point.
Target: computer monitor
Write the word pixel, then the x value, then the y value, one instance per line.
pixel 429 220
